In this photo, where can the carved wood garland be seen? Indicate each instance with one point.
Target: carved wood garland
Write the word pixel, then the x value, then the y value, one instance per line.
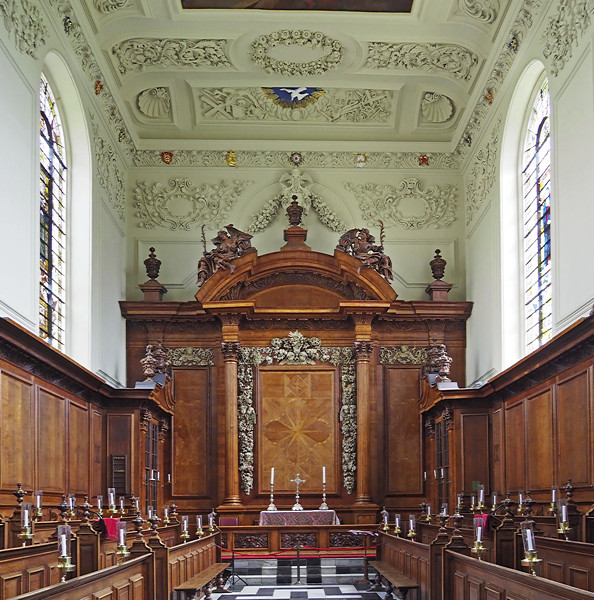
pixel 296 350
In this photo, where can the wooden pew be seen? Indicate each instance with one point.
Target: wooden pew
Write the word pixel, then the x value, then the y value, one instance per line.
pixel 133 580
pixel 203 581
pixel 394 579
pixel 467 578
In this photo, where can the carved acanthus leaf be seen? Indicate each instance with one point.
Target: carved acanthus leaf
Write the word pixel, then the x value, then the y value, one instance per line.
pixel 458 61
pixel 385 203
pixel 335 106
pixel 329 52
pixel 24 19
pixel 276 160
pixel 483 10
pixel 298 350
pixel 139 53
pixel 109 174
pixel 403 355
pixel 207 203
pixel 564 31
pixel 190 356
pixel 297 184
pixel 107 6
pixel 480 179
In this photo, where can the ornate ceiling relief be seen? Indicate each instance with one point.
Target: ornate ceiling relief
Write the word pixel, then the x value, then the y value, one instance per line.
pixel 335 106
pixel 296 350
pixel 109 174
pixel 154 102
pixel 565 30
pixel 182 205
pixel 456 60
pixel 23 19
pixel 388 204
pixel 403 355
pixel 89 65
pixel 507 56
pixel 483 10
pixel 139 53
pixel 296 183
pixel 329 52
pixel 436 108
pixel 190 357
pixel 481 178
pixel 107 6
pixel 275 160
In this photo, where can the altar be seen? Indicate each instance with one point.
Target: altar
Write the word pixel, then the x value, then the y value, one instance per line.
pixel 298 517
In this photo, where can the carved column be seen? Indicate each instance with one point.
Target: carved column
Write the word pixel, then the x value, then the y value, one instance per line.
pixel 363 351
pixel 230 351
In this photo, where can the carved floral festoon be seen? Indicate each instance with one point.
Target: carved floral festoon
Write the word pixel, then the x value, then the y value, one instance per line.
pixel 228 245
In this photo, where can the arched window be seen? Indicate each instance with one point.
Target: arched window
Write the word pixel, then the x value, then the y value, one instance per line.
pixel 52 250
pixel 536 219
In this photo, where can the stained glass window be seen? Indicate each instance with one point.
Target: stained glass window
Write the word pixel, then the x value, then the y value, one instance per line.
pixel 52 250
pixel 536 171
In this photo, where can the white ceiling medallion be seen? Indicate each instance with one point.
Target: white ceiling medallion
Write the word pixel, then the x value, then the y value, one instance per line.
pixel 436 108
pixel 154 102
pixel 327 51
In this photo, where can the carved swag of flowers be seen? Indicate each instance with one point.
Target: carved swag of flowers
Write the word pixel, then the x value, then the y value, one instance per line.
pixel 296 350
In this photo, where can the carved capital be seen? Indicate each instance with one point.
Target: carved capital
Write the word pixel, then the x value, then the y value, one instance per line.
pixel 363 350
pixel 145 419
pixel 230 350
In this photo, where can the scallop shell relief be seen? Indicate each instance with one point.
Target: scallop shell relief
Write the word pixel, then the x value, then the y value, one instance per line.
pixel 154 102
pixel 436 108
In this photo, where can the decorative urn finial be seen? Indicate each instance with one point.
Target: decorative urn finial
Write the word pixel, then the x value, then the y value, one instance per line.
pixel 295 212
pixel 152 264
pixel 438 265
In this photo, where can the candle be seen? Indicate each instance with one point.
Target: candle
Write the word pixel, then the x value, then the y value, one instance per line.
pixel 111 496
pixel 481 494
pixel 554 495
pixel 37 499
pixel 441 473
pixel 63 548
pixel 564 513
pixel 411 523
pixel 472 499
pixel 529 540
pixel 494 499
pixel 434 473
pixel 479 534
pixel 166 512
pixel 158 475
pixel 26 517
pixel 428 510
pixel 149 511
pixel 99 501
pixel 168 477
pixel 444 509
pixel 460 498
pixel 185 524
pixel 424 475
pixel 122 536
pixel 199 521
pixel 324 475
pixel 397 521
pixel 272 476
pixel 122 503
pixel 210 520
pixel 520 498
pixel 385 518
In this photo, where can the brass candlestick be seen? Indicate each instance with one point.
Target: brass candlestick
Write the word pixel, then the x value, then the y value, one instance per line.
pixel 563 529
pixel 397 529
pixel 25 534
pixel 478 549
pixel 271 506
pixel 65 565
pixel 185 536
pixel 530 559
pixel 199 530
pixel 65 557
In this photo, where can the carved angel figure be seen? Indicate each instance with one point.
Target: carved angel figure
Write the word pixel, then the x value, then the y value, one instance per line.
pixel 361 244
pixel 229 245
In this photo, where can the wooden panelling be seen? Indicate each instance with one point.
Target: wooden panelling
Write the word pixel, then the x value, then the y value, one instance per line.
pixel 474 432
pixel 498 452
pixel 514 447
pixel 191 464
pixel 78 448
pixel 298 429
pixel 17 422
pixel 574 428
pixel 403 457
pixel 120 438
pixel 539 435
pixel 97 446
pixel 52 444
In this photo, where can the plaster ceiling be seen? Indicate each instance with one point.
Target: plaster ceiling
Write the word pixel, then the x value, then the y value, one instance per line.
pixel 194 78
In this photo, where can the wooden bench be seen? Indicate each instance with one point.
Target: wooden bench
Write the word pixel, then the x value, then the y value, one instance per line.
pixel 203 581
pixel 393 578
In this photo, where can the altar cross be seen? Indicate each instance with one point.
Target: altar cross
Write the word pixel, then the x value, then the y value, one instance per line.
pixel 297 481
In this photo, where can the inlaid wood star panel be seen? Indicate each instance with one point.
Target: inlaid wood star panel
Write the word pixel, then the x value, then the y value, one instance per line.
pixel 297 428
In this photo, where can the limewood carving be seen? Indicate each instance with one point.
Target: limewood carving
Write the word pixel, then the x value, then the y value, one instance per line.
pixel 361 244
pixel 403 355
pixel 190 357
pixel 296 349
pixel 229 245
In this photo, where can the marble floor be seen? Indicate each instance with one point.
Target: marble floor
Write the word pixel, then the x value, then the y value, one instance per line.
pixel 301 592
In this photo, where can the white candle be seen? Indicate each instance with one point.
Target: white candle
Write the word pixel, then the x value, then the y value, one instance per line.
pixel 99 500
pixel 122 502
pixel 111 498
pixel 185 524
pixel 472 499
pixel 122 537
pixel 530 540
pixel 481 495
pixel 272 476
pixel 38 501
pixel 63 548
pixel 564 513
pixel 397 520
pixel 411 524
pixel 26 517
pixel 424 475
pixel 428 509
pixel 385 518
pixel 210 520
pixel 434 473
pixel 520 498
pixel 554 495
pixel 199 521
pixel 166 512
pixel 479 534
pixel 168 477
pixel 324 475
pixel 441 472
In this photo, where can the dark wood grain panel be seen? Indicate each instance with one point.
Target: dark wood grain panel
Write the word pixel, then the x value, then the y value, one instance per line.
pixel 498 453
pixel 575 405
pixel 17 423
pixel 52 447
pixel 403 457
pixel 78 448
pixel 191 468
pixel 514 447
pixel 474 432
pixel 539 435
pixel 97 475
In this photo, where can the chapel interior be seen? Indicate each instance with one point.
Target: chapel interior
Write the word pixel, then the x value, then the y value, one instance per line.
pixel 297 280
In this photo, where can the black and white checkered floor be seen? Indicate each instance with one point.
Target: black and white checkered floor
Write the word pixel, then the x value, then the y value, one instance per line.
pixel 301 592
